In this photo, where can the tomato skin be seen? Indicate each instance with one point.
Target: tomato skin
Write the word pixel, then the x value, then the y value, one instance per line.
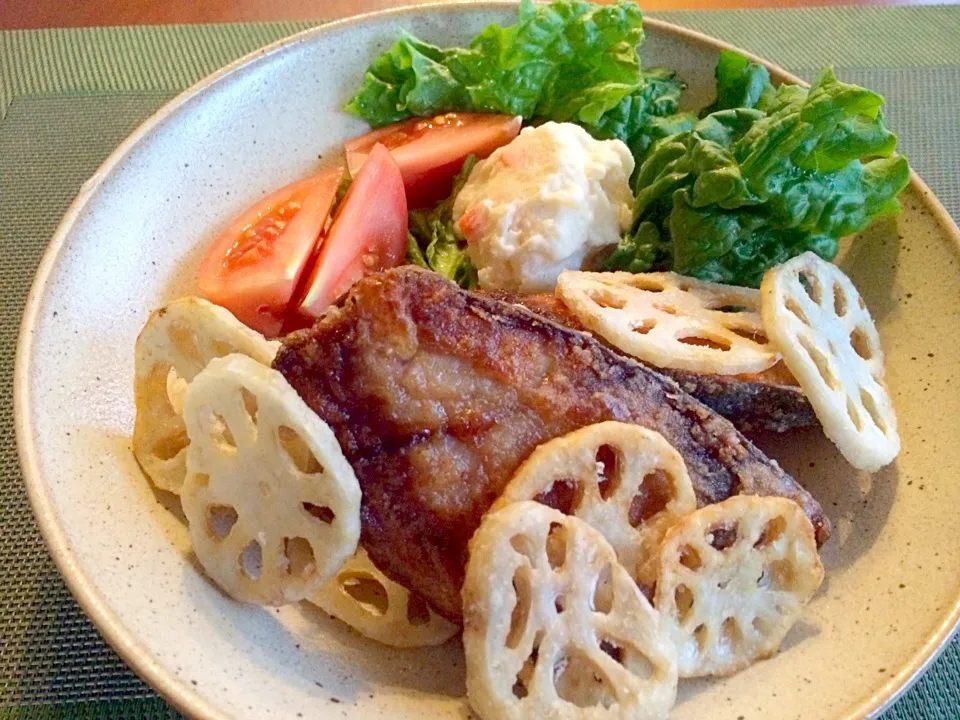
pixel 431 151
pixel 254 267
pixel 368 234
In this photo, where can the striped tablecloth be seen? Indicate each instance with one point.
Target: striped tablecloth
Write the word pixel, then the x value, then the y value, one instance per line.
pixel 68 97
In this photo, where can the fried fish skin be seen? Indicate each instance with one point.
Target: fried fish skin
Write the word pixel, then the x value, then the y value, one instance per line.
pixel 769 400
pixel 437 395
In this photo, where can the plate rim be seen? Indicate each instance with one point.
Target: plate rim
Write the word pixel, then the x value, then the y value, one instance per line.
pixel 124 641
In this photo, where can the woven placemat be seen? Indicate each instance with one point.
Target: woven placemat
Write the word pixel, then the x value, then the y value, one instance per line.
pixel 68 97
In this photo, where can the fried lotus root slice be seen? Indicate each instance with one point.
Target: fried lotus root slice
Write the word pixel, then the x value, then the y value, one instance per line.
pixel 273 505
pixel 624 480
pixel 829 342
pixel 378 608
pixel 734 578
pixel 672 321
pixel 176 343
pixel 555 627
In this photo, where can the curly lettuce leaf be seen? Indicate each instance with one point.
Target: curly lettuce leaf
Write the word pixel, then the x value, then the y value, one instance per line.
pixel 411 78
pixel 569 61
pixel 740 83
pixel 750 187
pixel 432 242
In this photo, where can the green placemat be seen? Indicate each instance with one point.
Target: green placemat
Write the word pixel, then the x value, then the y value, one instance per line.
pixel 68 97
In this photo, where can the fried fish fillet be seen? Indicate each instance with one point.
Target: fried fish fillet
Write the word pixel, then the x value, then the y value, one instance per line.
pixel 437 395
pixel 769 400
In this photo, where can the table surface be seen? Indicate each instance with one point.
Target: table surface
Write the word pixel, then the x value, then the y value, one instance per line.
pixel 57 13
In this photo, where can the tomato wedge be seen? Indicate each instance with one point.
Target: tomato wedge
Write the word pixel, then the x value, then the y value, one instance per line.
pixel 368 234
pixel 254 267
pixel 431 151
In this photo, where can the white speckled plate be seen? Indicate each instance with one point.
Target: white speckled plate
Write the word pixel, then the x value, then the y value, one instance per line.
pixel 132 240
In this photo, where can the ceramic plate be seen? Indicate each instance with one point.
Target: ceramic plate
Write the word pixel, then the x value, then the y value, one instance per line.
pixel 132 240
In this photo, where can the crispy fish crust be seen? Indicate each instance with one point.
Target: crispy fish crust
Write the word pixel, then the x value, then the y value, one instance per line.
pixel 771 400
pixel 437 395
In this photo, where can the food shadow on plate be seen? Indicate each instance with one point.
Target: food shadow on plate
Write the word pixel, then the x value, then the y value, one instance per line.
pixel 313 647
pixel 322 655
pixel 856 502
pixel 398 668
pixel 118 447
pixel 690 688
pixel 870 259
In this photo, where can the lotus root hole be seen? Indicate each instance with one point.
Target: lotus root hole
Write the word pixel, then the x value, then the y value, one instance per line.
pixel 763 582
pixel 560 604
pixel 222 348
pixel 839 300
pixel 721 537
pixel 772 532
pixel 729 308
pixel 645 326
pixel 683 598
pixel 637 663
pixel 690 558
pixel 185 341
pixel 861 343
pixel 656 492
pixel 822 362
pixel 169 446
pixel 251 560
pixel 870 405
pixel 519 688
pixel 721 344
pixel 753 335
pixel 613 650
pixel 811 285
pixel 221 435
pixel 761 625
pixel 418 614
pixel 321 513
pixel 524 545
pixel 367 591
pixel 301 562
pixel 608 470
pixel 298 451
pixel 176 387
pixel 668 309
pixel 522 591
pixel 854 414
pixel 607 299
pixel 795 308
pixel 562 495
pixel 700 636
pixel 250 404
pixel 782 574
pixel 602 601
pixel 579 681
pixel 731 635
pixel 525 675
pixel 646 284
pixel 220 520
pixel 556 546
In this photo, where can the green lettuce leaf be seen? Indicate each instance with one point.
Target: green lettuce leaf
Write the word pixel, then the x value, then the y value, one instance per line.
pixel 432 242
pixel 740 83
pixel 568 61
pixel 749 187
